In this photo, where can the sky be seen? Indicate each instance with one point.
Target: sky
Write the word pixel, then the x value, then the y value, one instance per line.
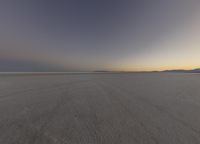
pixel 88 35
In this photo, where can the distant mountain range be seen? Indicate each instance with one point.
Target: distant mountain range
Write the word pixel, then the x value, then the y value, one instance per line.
pixel 184 71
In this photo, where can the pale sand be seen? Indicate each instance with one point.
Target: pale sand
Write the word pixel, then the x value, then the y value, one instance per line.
pixel 151 108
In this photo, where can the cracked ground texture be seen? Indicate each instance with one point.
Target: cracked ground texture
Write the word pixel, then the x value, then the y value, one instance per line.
pixel 131 108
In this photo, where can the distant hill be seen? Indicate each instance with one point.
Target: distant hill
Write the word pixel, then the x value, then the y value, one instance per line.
pixel 184 71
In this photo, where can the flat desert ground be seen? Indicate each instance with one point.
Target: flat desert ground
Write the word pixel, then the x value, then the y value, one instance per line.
pixel 126 108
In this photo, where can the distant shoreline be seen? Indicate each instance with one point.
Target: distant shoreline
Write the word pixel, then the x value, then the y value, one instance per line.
pixel 63 73
pixel 92 72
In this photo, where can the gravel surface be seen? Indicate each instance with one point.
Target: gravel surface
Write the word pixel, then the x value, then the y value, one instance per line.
pixel 137 108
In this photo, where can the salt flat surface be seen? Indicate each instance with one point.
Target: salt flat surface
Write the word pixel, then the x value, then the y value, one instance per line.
pixel 138 108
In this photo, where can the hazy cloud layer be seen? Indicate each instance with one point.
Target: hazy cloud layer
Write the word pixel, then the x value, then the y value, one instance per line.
pixel 98 34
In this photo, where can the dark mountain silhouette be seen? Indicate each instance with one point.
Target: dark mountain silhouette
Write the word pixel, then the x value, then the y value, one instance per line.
pixel 184 71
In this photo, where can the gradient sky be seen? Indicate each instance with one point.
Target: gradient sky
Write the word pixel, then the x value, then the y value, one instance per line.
pixel 84 35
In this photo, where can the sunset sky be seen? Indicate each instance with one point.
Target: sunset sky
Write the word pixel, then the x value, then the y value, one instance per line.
pixel 87 35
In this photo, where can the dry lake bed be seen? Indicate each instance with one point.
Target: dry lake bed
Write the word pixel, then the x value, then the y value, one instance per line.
pixel 131 108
